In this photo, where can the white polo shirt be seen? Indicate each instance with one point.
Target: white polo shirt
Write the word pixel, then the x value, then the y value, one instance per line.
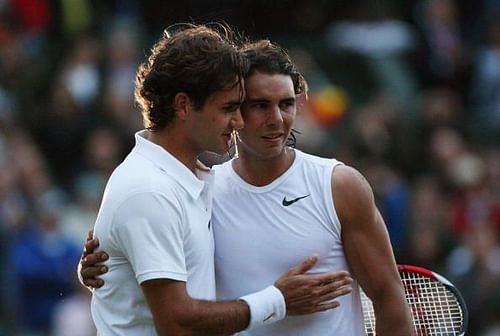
pixel 154 222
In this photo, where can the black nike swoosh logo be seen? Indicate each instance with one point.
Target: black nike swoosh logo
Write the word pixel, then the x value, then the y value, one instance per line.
pixel 290 202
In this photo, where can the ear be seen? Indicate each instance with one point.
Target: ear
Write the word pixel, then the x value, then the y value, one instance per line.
pixel 301 101
pixel 183 105
pixel 302 98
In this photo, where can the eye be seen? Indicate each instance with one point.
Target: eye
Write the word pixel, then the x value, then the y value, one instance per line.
pixel 287 104
pixel 230 108
pixel 260 106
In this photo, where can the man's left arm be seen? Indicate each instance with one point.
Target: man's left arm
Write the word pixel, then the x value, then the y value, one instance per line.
pixel 368 251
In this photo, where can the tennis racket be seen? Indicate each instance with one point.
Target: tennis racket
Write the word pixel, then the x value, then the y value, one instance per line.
pixel 436 304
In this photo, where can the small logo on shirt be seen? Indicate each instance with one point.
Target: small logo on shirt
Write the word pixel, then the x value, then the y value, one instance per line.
pixel 290 202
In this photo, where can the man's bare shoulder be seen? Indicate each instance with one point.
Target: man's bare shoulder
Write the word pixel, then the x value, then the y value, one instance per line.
pixel 352 193
pixel 349 179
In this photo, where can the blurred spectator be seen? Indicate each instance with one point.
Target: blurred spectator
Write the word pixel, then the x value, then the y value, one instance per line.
pixel 12 54
pixel 485 93
pixel 76 17
pixel 374 125
pixel 30 164
pixel 369 38
pixel 103 151
pixel 121 59
pixel 42 262
pixel 442 56
pixel 385 42
pixel 492 166
pixel 72 316
pixel 14 207
pixel 445 146
pixel 441 107
pixel 474 267
pixel 33 17
pixel 392 198
pixel 13 202
pixel 70 112
pixel 322 109
pixel 380 132
pixel 79 216
pixel 80 75
pixel 472 203
pixel 429 237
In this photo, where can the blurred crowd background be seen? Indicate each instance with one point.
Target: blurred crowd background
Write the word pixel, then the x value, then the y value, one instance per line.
pixel 408 92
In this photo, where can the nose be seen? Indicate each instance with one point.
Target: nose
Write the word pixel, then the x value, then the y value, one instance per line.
pixel 275 115
pixel 237 120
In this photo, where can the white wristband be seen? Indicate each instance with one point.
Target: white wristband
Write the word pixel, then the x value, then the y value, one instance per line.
pixel 266 306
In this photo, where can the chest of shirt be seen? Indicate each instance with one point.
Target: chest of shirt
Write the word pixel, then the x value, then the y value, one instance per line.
pixel 198 233
pixel 266 226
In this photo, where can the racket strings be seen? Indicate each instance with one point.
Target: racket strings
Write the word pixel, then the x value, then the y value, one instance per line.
pixel 435 309
pixel 369 314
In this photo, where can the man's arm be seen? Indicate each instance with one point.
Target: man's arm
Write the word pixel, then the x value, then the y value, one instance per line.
pixel 173 309
pixel 368 251
pixel 176 312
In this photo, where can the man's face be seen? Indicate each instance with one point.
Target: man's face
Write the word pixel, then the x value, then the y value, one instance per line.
pixel 213 124
pixel 269 112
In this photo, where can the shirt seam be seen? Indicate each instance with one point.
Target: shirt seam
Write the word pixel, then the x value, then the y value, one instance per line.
pixel 150 275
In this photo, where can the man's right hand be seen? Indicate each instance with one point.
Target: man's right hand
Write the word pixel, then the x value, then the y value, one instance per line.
pixel 310 293
pixel 303 293
pixel 91 263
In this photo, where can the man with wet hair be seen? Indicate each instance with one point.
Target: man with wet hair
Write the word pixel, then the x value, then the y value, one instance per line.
pixel 275 204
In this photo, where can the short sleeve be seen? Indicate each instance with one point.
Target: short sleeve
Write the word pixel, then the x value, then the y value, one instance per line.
pixel 148 228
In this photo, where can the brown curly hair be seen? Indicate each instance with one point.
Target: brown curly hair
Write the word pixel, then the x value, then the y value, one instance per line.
pixel 267 57
pixel 196 59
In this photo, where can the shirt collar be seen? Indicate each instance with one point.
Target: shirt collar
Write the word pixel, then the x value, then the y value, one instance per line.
pixel 168 163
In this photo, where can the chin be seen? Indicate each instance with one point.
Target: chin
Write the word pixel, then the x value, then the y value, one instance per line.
pixel 280 152
pixel 224 149
pixel 220 151
pixel 271 154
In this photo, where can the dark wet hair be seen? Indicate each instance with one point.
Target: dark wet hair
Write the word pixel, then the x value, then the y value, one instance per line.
pixel 267 57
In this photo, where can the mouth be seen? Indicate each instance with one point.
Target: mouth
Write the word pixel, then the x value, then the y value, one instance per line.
pixel 274 138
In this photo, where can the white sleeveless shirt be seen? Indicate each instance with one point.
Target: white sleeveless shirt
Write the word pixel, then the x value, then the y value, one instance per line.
pixel 260 232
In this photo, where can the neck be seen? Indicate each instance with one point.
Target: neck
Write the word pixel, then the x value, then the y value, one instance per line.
pixel 176 145
pixel 262 171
